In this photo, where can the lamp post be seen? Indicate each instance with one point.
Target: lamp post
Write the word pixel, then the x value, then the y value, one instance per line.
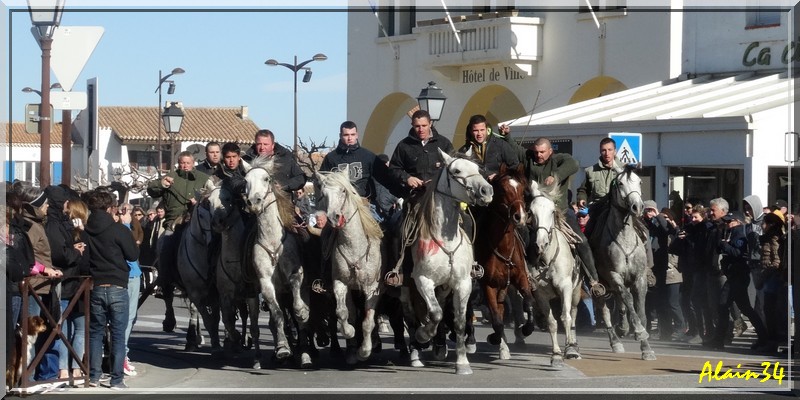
pixel 170 90
pixel 45 17
pixel 431 99
pixel 173 119
pixel 306 78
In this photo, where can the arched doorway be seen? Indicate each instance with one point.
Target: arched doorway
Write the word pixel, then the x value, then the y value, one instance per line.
pixel 495 102
pixel 384 118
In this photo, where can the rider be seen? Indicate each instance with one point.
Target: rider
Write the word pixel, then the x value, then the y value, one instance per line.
pixel 544 166
pixel 414 163
pixel 595 188
pixel 289 175
pixel 366 172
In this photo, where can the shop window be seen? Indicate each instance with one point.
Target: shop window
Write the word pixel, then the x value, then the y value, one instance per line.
pixel 602 5
pixel 700 185
pixel 763 19
pixel 782 187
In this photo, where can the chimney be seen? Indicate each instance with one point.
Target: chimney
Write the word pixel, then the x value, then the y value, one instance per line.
pixel 243 112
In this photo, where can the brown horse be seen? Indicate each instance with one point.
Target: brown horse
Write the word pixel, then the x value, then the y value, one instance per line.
pixel 501 252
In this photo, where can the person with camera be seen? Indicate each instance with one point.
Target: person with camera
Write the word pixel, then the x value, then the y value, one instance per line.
pixel 733 248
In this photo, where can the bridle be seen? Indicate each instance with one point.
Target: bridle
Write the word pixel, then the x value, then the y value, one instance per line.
pixel 461 180
pixel 269 189
pixel 549 230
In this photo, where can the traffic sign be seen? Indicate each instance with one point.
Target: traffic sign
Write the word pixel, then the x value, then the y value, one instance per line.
pixel 72 47
pixel 68 100
pixel 629 147
pixel 32 118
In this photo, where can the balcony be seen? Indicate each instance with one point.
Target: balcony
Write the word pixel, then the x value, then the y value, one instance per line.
pixel 496 38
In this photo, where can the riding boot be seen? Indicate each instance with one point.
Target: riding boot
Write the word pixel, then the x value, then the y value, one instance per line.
pixel 585 253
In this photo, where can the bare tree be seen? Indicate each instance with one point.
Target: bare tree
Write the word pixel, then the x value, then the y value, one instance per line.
pixel 310 157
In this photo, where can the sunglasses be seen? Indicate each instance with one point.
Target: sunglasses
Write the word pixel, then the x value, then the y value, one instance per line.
pixel 138 214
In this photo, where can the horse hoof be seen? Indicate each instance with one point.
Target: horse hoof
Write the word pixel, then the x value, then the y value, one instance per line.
pixel 493 339
pixel 363 355
pixel 528 329
pixel 202 340
pixel 572 353
pixel 256 364
pixel 351 359
pixel 471 348
pixel 505 354
pixel 283 353
pixel 305 361
pixel 463 369
pixel 417 364
pixel 348 331
pixel 648 356
pixel 617 348
pixel 168 325
pixel 439 352
pixel 190 347
pixel 556 362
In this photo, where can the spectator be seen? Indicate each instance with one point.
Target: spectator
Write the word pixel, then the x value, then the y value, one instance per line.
pixel 110 245
pixel 671 319
pixel 74 324
pixel 134 287
pixel 213 158
pixel 773 262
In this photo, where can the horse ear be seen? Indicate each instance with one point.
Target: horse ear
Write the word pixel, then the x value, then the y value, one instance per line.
pixel 535 188
pixel 521 169
pixel 503 169
pixel 468 153
pixel 245 165
pixel 345 170
pixel 446 157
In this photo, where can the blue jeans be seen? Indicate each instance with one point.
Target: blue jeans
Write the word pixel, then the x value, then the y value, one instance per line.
pixel 134 284
pixel 74 328
pixel 109 306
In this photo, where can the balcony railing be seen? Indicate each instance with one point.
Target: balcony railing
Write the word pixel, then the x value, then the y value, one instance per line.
pixel 495 39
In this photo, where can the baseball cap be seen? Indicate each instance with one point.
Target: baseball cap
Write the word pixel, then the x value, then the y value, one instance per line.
pixel 583 211
pixel 779 204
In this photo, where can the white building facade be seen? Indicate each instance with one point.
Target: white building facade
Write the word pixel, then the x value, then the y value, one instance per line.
pixel 522 66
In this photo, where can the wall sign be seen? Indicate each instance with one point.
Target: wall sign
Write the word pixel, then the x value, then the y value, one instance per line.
pixel 490 74
pixel 758 54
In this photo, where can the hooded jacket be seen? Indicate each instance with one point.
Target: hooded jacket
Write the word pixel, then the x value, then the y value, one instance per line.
pixel 734 251
pixel 289 175
pixel 753 231
pixel 110 245
pixel 492 153
pixel 177 197
pixel 412 158
pixel 37 235
pixel 363 165
pixel 19 254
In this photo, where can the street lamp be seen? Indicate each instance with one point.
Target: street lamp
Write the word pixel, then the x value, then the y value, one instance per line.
pixel 173 118
pixel 307 77
pixel 431 99
pixel 170 90
pixel 45 17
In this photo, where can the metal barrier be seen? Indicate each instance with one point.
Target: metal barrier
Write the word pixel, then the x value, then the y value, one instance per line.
pixel 82 295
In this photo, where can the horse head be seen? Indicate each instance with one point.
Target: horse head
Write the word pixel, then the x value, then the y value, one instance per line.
pixel 509 194
pixel 626 190
pixel 223 211
pixel 543 212
pixel 464 181
pixel 260 184
pixel 335 190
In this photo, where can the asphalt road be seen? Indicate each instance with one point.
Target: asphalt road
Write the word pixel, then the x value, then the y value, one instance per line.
pixel 163 368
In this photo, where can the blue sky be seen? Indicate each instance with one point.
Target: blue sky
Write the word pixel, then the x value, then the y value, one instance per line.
pixel 223 53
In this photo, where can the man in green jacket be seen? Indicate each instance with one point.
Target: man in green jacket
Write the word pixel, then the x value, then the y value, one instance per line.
pixel 177 189
pixel 543 166
pixel 594 190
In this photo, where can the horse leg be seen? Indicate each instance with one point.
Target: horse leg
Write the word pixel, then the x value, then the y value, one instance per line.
pixel 426 289
pixel 210 314
pixel 395 314
pixel 613 339
pixel 282 350
pixel 524 290
pixel 168 290
pixel 496 303
pixel 518 312
pixel 556 360
pixel 251 310
pixel 342 313
pixel 570 307
pixel 368 325
pixel 407 302
pixel 193 334
pixel 460 300
pixel 639 294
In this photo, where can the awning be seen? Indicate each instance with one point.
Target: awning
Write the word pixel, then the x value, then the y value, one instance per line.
pixel 701 103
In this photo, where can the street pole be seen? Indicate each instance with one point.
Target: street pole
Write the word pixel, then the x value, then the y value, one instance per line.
pixel 66 146
pixel 295 105
pixel 158 119
pixel 44 113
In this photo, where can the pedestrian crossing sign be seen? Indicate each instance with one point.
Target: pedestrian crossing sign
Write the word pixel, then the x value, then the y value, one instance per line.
pixel 629 147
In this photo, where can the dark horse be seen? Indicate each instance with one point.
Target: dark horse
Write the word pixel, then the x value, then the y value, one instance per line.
pixel 500 250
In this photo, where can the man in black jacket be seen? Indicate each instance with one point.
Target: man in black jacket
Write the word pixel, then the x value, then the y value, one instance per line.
pixel 490 150
pixel 363 165
pixel 213 159
pixel 733 248
pixel 289 175
pixel 110 244
pixel 415 160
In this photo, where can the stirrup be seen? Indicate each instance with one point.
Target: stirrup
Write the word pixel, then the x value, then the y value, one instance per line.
pixel 393 279
pixel 477 271
pixel 317 287
pixel 598 290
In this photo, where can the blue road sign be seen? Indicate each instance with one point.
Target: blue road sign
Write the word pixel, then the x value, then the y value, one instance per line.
pixel 629 147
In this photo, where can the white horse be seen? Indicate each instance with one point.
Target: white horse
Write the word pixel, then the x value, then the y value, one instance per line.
pixel 355 255
pixel 231 281
pixel 196 272
pixel 556 273
pixel 277 256
pixel 442 252
pixel 621 256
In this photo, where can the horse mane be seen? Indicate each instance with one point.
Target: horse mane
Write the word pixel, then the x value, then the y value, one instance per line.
pixel 371 228
pixel 426 205
pixel 282 199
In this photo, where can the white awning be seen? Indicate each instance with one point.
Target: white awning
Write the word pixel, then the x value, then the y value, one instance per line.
pixel 702 103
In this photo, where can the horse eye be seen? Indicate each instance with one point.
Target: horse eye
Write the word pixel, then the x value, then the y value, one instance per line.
pixel 457 172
